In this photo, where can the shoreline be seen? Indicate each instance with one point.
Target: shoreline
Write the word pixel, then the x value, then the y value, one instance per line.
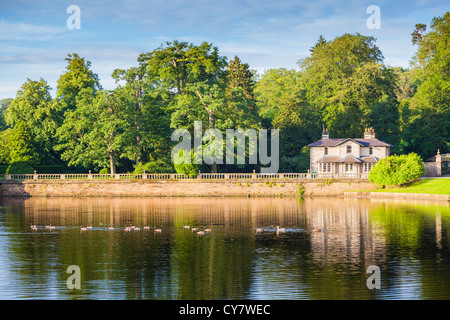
pixel 182 188
pixel 203 189
pixel 397 195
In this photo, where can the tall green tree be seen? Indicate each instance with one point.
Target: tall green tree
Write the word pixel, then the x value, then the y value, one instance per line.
pixel 152 118
pixel 18 148
pixel 176 64
pixel 282 100
pixel 193 77
pixel 430 106
pixel 77 76
pixel 134 78
pixel 239 75
pixel 34 106
pixel 240 110
pixel 343 78
pixel 99 129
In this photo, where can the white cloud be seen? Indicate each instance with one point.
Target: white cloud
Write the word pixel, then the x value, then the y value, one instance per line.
pixel 19 31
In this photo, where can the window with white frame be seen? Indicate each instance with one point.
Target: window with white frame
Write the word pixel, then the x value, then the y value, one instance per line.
pixel 348 167
pixel 370 150
pixel 367 167
pixel 349 149
pixel 325 167
pixel 326 150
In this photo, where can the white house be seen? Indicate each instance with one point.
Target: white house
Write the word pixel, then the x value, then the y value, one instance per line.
pixel 347 155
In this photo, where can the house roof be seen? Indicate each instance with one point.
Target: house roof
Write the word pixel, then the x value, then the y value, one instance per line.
pixel 363 142
pixel 329 159
pixel 373 143
pixel 351 159
pixel 370 159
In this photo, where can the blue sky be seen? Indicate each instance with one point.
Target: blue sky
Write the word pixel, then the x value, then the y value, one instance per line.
pixel 34 38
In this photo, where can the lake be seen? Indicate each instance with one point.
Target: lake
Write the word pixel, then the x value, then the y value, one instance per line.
pixel 407 240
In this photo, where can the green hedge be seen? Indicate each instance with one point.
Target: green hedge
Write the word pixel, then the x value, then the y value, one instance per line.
pixel 20 167
pixel 397 170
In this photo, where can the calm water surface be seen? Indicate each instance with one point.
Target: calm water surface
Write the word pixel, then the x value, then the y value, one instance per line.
pixel 409 241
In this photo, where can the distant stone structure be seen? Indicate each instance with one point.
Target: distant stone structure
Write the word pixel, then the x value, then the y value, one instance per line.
pixel 434 168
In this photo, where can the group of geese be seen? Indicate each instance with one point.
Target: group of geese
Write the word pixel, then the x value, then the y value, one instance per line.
pixel 158 230
pixel 199 232
pixel 89 227
pixel 129 228
pixel 134 228
pixel 282 230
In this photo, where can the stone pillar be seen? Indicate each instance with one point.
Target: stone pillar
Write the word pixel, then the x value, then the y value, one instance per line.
pixel 438 164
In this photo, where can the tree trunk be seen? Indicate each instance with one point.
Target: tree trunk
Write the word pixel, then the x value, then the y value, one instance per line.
pixel 138 122
pixel 112 162
pixel 211 125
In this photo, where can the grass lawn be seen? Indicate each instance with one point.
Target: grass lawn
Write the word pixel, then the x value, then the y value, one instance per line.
pixel 427 186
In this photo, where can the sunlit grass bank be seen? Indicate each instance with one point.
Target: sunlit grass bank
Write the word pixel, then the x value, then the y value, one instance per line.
pixel 425 186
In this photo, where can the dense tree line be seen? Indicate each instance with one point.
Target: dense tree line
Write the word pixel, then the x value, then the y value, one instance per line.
pixel 343 84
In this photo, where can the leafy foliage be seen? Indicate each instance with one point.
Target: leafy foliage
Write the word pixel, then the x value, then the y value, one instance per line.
pixel 189 169
pixel 34 106
pixel 78 76
pixel 397 170
pixel 430 107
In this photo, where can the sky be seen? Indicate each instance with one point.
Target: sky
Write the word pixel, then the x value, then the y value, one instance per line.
pixel 35 37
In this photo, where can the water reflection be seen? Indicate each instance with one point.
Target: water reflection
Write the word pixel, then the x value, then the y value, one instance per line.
pixel 408 240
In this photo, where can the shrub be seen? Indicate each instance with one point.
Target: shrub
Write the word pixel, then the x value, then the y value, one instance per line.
pixel 20 167
pixel 156 166
pixel 104 171
pixel 300 190
pixel 397 170
pixel 190 170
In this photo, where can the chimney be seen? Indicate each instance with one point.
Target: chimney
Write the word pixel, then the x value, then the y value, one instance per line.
pixel 369 133
pixel 325 134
